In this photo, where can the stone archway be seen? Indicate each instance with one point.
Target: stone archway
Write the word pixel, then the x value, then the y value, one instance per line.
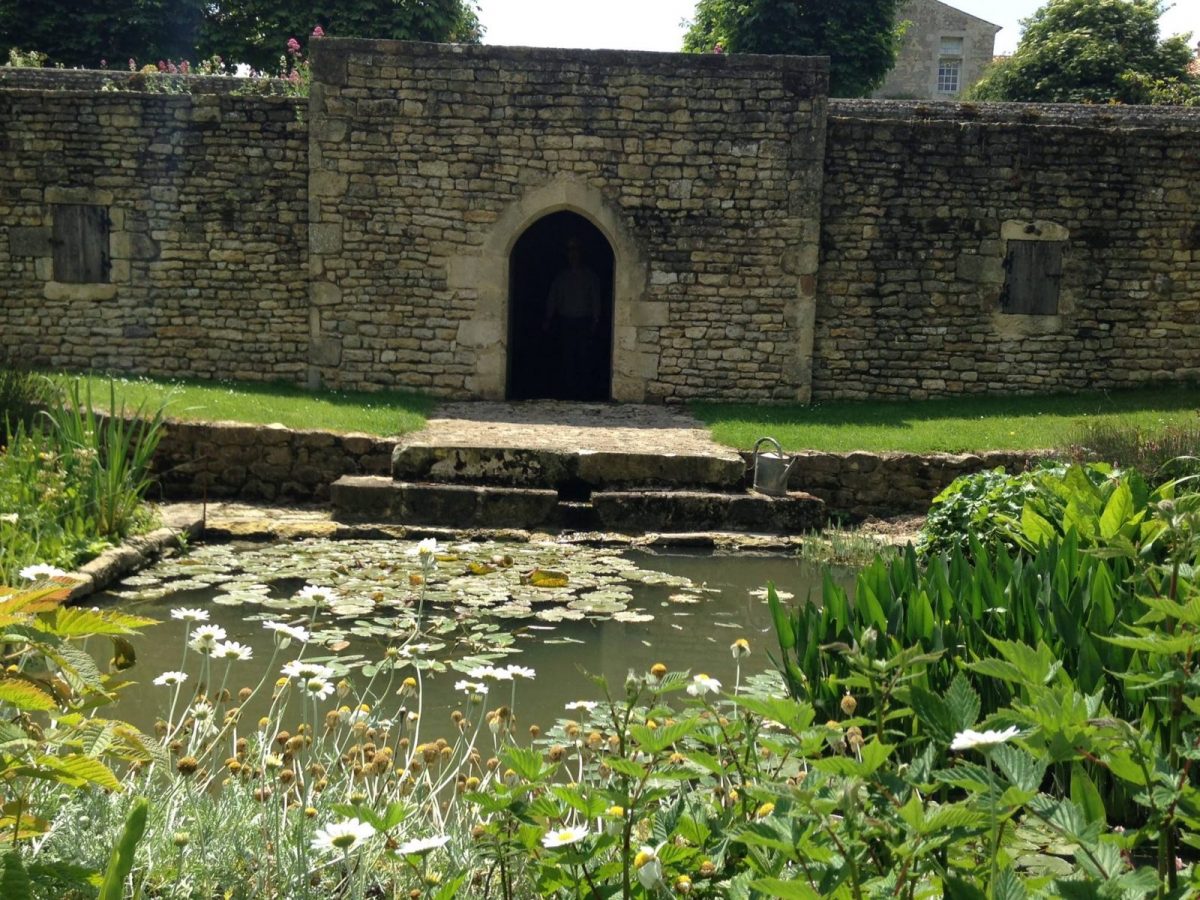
pixel 486 274
pixel 560 311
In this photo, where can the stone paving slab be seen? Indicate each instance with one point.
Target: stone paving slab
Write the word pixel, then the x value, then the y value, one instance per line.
pixel 569 427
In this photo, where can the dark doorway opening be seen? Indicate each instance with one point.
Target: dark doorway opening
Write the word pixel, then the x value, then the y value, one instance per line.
pixel 560 311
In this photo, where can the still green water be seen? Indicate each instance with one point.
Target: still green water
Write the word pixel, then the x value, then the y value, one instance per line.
pixel 618 611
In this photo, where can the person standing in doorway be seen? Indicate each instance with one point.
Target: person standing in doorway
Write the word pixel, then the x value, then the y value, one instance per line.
pixel 572 322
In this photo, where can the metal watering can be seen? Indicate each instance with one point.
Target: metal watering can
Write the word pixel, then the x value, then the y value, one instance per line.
pixel 771 470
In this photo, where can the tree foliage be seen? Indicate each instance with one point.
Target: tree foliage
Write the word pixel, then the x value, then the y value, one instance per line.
pixel 858 36
pixel 1092 51
pixel 83 32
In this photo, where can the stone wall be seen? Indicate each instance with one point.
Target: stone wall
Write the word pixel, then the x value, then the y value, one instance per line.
pixel 922 204
pixel 206 205
pixel 769 245
pixel 859 484
pixel 429 161
pixel 227 460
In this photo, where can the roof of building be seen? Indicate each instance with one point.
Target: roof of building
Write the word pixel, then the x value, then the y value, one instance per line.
pixel 960 12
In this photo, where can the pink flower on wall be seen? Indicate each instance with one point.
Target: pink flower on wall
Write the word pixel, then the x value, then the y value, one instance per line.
pixel 318 32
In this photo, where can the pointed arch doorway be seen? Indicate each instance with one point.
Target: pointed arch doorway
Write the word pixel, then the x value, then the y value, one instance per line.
pixel 560 311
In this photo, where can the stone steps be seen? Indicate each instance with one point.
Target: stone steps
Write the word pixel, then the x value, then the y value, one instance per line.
pixel 388 501
pixel 578 471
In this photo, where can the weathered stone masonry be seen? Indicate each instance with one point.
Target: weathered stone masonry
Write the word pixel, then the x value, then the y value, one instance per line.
pixel 921 203
pixel 769 244
pixel 206 198
pixel 429 161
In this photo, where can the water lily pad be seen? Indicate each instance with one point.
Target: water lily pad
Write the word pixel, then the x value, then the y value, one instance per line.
pixel 546 578
pixel 629 615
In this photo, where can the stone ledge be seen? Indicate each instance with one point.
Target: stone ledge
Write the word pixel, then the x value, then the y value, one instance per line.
pixel 135 553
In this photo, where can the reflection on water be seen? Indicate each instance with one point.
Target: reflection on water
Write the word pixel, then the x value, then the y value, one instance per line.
pixel 691 627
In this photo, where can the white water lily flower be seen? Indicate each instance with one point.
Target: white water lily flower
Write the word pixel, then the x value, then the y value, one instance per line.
pixel 341 837
pixel 314 594
pixel 38 571
pixel 423 845
pixel 519 671
pixel 284 632
pixel 171 679
pixel 563 836
pixel 299 668
pixel 232 650
pixel 969 739
pixel 702 684
pixel 586 705
pixel 189 614
pixel 318 687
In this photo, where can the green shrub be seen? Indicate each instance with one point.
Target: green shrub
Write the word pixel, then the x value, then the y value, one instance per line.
pixel 1029 509
pixel 74 485
pixel 23 396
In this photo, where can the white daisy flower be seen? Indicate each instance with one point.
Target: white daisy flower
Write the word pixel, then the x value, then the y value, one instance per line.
pixel 740 648
pixel 171 679
pixel 563 836
pixel 425 548
pixel 341 837
pixel 208 634
pixel 585 705
pixel 303 670
pixel 490 672
pixel 286 633
pixel 969 739
pixel 202 711
pixel 702 684
pixel 38 571
pixel 314 594
pixel 232 650
pixel 318 688
pixel 649 867
pixel 471 687
pixel 519 671
pixel 189 614
pixel 423 845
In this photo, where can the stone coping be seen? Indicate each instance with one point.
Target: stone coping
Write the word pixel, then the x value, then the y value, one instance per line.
pixel 1079 114
pixel 92 80
pixel 328 48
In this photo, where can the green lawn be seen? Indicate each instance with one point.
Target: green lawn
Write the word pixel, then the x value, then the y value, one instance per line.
pixel 983 423
pixel 381 413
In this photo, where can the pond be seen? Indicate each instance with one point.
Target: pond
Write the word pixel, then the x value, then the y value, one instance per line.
pixel 568 612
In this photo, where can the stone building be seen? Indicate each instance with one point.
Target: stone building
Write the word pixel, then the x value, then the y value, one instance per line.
pixel 943 52
pixel 403 226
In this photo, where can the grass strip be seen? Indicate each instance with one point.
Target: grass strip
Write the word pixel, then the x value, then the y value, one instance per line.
pixel 383 413
pixel 950 425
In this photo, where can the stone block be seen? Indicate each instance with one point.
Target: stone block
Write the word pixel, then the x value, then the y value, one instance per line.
pixel 32 241
pixel 325 351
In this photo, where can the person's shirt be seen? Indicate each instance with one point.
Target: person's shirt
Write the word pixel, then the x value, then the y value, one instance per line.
pixel 575 294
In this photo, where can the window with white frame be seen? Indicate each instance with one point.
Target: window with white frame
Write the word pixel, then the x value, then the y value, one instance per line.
pixel 950 59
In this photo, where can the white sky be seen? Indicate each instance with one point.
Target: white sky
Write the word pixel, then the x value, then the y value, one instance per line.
pixel 657 24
